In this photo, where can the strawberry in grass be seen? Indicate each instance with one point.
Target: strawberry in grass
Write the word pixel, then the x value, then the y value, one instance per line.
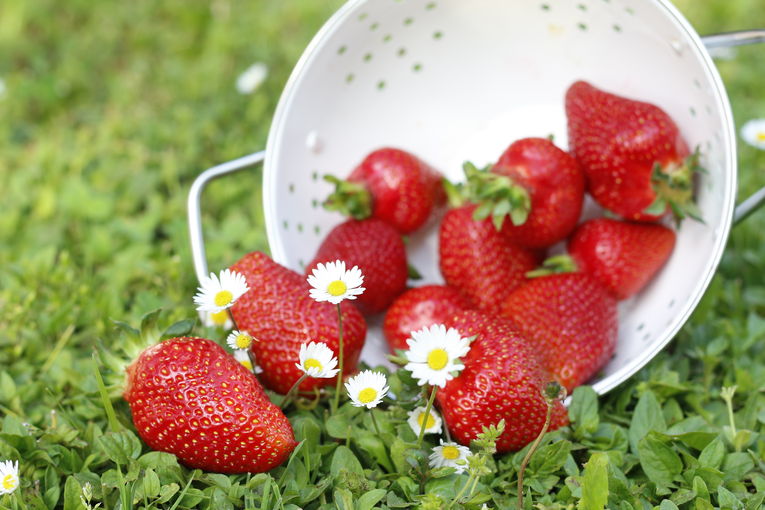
pixel 621 256
pixel 419 308
pixel 280 314
pixel 479 260
pixel 539 186
pixel 391 185
pixel 636 161
pixel 374 247
pixel 569 320
pixel 502 379
pixel 189 397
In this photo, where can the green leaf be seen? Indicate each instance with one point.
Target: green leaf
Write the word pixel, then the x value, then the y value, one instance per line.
pixel 550 458
pixel 736 465
pixel 151 485
pixel 370 499
pixel 344 458
pixel 726 499
pixel 667 505
pixel 646 417
pixel 713 454
pixel 120 447
pixel 343 499
pixel 583 411
pixel 659 461
pixel 482 211
pixel 72 493
pixel 595 483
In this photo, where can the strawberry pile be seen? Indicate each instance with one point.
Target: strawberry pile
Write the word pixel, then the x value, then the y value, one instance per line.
pixel 532 321
pixel 535 320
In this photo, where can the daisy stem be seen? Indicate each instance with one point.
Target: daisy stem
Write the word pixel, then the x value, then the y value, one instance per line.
pixel 374 422
pixel 292 391
pixel 340 360
pixel 462 490
pixel 427 414
pixel 235 327
pixel 550 400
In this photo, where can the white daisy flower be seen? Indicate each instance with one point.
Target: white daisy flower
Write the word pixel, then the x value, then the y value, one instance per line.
pixel 216 294
pixel 331 282
pixel 317 360
pixel 9 477
pixel 220 319
pixel 243 357
pixel 239 340
pixel 448 454
pixel 434 354
pixel 417 416
pixel 367 388
pixel 753 133
pixel 252 78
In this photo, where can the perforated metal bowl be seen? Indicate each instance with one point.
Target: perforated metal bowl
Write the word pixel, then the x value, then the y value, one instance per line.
pixel 451 81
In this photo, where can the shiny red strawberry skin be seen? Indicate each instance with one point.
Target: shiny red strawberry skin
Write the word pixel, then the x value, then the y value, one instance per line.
pixel 555 183
pixel 618 141
pixel 419 308
pixel 378 251
pixel 621 256
pixel 404 189
pixel 502 379
pixel 189 397
pixel 480 261
pixel 569 320
pixel 280 314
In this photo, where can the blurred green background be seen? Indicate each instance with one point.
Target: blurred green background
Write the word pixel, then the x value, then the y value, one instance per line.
pixel 109 111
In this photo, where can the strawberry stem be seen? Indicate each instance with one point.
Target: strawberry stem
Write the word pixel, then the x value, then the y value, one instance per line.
pixel 340 360
pixel 552 392
pixel 349 198
pixel 427 414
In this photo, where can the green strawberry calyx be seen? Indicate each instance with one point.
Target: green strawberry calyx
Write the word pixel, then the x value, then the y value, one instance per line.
pixel 673 185
pixel 351 199
pixel 496 195
pixel 557 264
pixel 119 355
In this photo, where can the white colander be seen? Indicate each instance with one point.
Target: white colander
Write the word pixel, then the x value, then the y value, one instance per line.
pixel 451 80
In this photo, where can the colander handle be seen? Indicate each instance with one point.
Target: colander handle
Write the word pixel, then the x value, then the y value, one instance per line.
pixel 737 38
pixel 196 237
pixel 726 40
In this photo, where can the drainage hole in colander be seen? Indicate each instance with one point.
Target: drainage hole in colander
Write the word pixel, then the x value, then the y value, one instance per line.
pixel 671 304
pixel 640 326
pixel 646 337
pixel 582 7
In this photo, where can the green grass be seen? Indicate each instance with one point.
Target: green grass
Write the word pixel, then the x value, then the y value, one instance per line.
pixel 113 108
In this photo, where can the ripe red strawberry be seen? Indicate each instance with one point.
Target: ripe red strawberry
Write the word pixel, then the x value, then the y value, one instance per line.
pixel 502 379
pixel 419 308
pixel 569 320
pixel 378 251
pixel 279 313
pixel 479 261
pixel 622 256
pixel 554 183
pixel 189 397
pixel 392 185
pixel 636 161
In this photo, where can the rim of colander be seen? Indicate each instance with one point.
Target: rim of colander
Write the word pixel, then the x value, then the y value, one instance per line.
pixel 720 96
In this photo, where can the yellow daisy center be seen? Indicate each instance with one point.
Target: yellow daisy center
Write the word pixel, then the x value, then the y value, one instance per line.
pixel 312 363
pixel 337 288
pixel 367 395
pixel 450 452
pixel 431 422
pixel 223 298
pixel 219 318
pixel 761 136
pixel 9 482
pixel 242 341
pixel 437 359
pixel 247 364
